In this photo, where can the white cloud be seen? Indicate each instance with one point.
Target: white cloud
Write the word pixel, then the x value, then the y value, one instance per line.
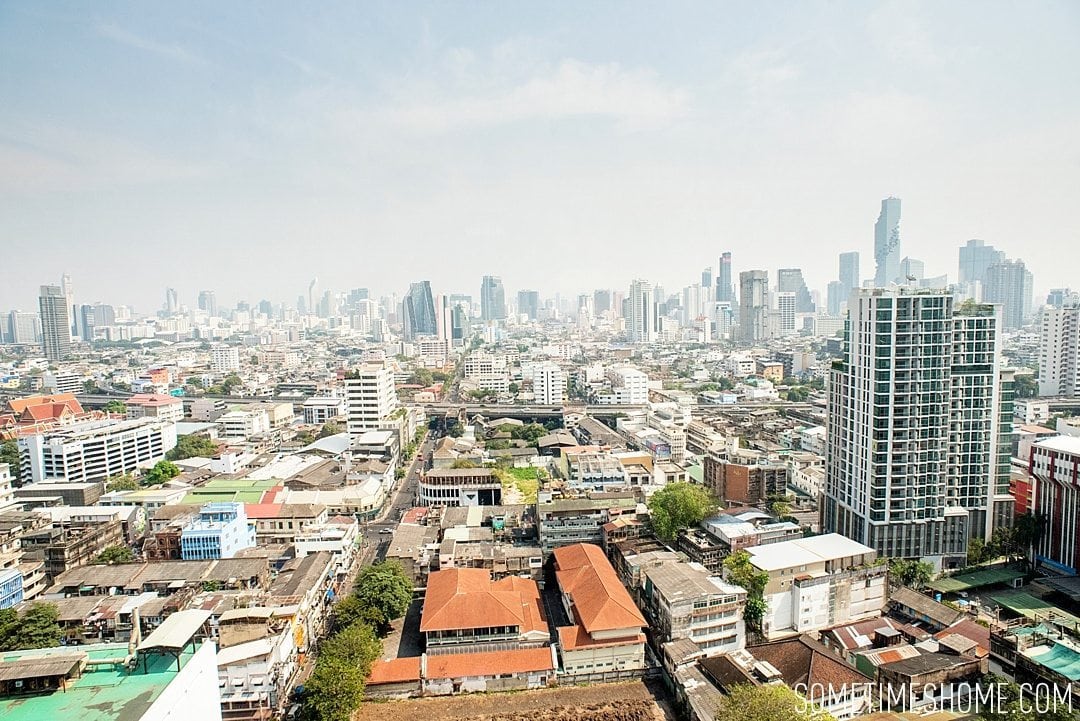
pixel 634 99
pixel 172 51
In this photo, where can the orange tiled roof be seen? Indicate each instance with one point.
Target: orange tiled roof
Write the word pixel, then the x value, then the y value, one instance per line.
pixel 573 637
pixel 600 601
pixel 461 598
pixel 262 510
pixel 152 399
pixel 491 663
pixel 18 405
pixel 397 670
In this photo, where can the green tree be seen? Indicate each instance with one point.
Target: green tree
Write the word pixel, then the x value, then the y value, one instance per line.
pixel 739 570
pixel 348 611
pixel 37 627
pixel 190 446
pixel 122 483
pixel 1028 530
pixel 1025 385
pixel 115 407
pixel 778 505
pixel 114 554
pixel 677 506
pixel 456 430
pixel 768 703
pixel 385 592
pixel 161 472
pixel 514 388
pixel 530 433
pixel 464 463
pixel 230 383
pixel 1008 705
pixel 330 428
pixel 336 686
pixel 9 454
pixel 305 437
pixel 977 552
pixel 422 377
pixel 910 572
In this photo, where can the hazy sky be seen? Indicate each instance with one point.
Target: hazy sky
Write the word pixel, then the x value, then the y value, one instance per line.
pixel 246 147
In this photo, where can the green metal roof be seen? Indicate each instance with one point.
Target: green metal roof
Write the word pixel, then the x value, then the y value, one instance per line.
pixel 1034 608
pixel 977 579
pixel 102 693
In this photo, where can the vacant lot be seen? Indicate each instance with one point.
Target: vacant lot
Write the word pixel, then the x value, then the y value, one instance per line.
pixel 630 701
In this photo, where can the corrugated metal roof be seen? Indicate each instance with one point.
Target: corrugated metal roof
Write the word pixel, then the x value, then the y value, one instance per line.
pixel 177 630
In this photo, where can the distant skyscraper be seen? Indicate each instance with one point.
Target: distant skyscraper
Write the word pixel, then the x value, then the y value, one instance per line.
pixel 1060 297
pixel 492 298
pixel 602 301
pixel 975 258
pixel 208 302
pixel 849 273
pixel 911 268
pixel 529 303
pixel 725 292
pixel 753 305
pixel 1059 351
pixel 786 307
pixel 887 243
pixel 1010 283
pixel 641 318
pixel 418 309
pixel 790 280
pixel 172 301
pixel 55 323
pixel 69 295
pixel 85 321
pixel 919 430
pixel 706 277
pixel 22 328
pixel 311 294
pixel 835 297
pixel 301 305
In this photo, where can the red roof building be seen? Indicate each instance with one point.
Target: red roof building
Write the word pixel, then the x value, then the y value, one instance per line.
pixel 608 631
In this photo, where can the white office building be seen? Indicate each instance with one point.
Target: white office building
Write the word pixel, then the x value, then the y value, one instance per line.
pixel 243 423
pixel 93 451
pixel 224 359
pixel 629 386
pixel 1059 351
pixel 549 384
pixel 370 397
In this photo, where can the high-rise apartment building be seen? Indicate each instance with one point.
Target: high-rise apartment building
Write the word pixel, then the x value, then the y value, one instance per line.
pixel 790 280
pixel 418 311
pixel 492 298
pixel 753 305
pixel 849 272
pixel 22 328
pixel 55 322
pixel 549 384
pixel 786 306
pixel 887 243
pixel 725 292
pixel 975 258
pixel 208 303
pixel 642 318
pixel 370 397
pixel 1059 351
pixel 918 426
pixel 706 278
pixel 1010 283
pixel 529 303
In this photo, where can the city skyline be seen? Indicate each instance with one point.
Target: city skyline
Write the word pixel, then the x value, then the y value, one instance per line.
pixel 360 140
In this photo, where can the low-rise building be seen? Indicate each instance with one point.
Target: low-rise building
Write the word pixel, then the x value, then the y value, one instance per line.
pixel 155 405
pixel 465 611
pixel 460 487
pixel 819 582
pixel 685 601
pixel 220 530
pixel 565 520
pixel 607 638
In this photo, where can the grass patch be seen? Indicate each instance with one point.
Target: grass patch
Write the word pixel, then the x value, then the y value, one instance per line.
pixel 525 480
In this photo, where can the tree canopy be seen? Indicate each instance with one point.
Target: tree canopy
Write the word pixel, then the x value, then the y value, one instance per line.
pixel 37 627
pixel 115 554
pixel 9 454
pixel 115 407
pixel 190 446
pixel 739 570
pixel 768 703
pixel 336 686
pixel 330 428
pixel 385 592
pixel 910 572
pixel 125 482
pixel 677 506
pixel 161 472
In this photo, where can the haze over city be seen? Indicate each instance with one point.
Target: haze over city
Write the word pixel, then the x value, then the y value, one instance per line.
pixel 562 147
